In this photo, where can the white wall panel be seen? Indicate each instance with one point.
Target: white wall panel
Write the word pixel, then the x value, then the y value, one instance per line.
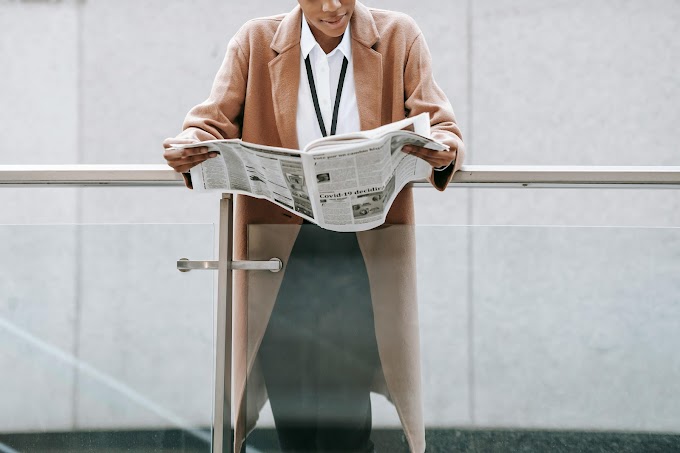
pixel 576 328
pixel 576 82
pixel 38 82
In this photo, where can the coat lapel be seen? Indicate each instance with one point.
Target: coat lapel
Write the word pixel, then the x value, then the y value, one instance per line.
pixel 368 70
pixel 284 73
pixel 368 80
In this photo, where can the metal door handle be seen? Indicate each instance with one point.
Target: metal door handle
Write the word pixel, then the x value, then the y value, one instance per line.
pixel 273 265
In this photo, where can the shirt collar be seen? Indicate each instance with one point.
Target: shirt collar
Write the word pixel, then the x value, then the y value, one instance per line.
pixel 308 42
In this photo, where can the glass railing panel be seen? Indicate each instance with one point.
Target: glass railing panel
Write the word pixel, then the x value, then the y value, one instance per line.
pixel 529 336
pixel 574 328
pixel 105 345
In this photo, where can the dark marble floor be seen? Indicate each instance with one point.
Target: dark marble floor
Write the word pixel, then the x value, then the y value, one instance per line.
pixel 386 440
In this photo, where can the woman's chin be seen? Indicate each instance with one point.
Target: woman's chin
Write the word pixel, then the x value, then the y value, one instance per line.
pixel 334 29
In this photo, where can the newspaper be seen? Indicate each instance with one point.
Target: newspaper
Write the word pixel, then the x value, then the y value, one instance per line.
pixel 341 183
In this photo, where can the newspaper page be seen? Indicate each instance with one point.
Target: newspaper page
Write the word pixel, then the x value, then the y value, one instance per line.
pixel 341 183
pixel 359 175
pixel 274 174
pixel 357 186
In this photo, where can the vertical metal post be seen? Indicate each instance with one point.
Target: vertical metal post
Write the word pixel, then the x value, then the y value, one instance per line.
pixel 222 439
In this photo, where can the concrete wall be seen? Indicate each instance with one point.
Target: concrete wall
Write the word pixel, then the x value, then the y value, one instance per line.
pixel 553 326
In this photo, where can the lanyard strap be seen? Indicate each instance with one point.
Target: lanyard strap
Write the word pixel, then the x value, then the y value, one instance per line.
pixel 315 98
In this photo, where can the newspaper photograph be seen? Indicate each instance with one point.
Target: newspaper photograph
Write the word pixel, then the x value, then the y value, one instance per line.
pixel 356 187
pixel 341 183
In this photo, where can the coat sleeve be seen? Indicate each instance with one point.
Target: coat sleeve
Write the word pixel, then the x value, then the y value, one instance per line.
pixel 422 94
pixel 220 116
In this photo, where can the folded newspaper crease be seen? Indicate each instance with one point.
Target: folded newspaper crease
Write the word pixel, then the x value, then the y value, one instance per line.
pixel 341 183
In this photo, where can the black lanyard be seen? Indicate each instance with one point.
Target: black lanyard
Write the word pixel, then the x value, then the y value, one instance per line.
pixel 315 98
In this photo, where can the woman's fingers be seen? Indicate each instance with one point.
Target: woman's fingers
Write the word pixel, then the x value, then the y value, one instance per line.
pixel 184 159
pixel 183 153
pixel 434 158
pixel 189 163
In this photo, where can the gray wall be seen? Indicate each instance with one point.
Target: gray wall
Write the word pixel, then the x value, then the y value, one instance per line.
pixel 567 324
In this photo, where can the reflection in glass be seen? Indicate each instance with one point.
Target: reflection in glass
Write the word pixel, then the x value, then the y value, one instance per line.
pixel 105 345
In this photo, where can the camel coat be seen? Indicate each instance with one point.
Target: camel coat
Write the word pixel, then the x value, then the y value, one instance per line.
pixel 254 97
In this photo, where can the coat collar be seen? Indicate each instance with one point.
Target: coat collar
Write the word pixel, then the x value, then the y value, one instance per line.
pixel 362 25
pixel 284 71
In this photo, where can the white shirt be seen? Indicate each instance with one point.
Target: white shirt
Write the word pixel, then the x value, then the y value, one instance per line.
pixel 326 70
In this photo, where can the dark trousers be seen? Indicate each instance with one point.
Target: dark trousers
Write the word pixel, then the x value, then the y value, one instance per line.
pixel 319 352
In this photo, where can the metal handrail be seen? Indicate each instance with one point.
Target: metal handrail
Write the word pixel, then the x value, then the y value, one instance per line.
pixel 468 176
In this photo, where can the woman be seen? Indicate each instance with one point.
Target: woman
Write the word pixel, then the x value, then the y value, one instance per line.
pixel 341 320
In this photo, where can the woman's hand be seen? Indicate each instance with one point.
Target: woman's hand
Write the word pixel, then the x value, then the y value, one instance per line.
pixel 434 158
pixel 183 159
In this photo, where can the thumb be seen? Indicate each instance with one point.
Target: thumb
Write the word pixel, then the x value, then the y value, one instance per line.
pixel 171 141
